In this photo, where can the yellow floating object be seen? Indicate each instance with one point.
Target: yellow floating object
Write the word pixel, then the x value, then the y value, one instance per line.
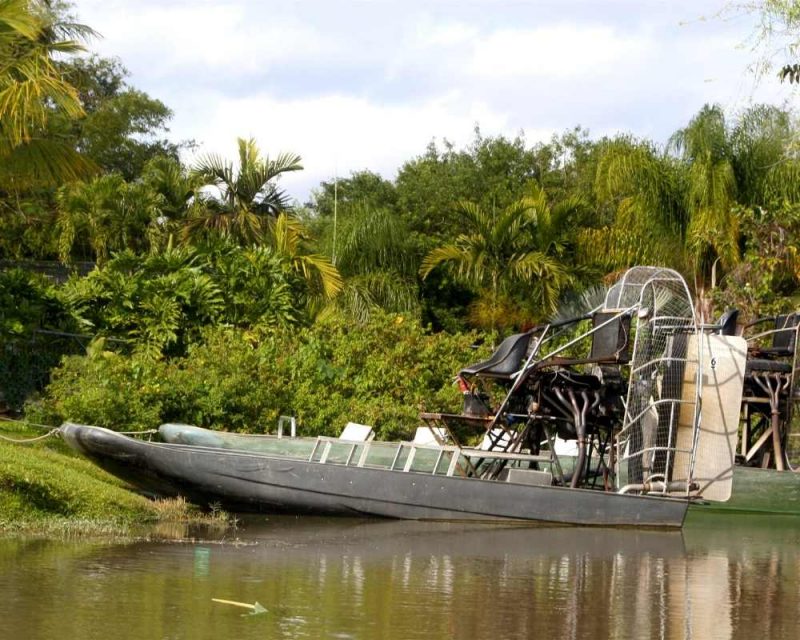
pixel 255 608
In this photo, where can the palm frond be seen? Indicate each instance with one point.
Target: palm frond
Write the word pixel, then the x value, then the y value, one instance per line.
pixel 43 162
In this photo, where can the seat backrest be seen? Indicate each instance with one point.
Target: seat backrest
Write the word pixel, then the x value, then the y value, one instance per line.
pixel 611 337
pixel 783 340
pixel 727 322
pixel 355 431
pixel 429 435
pixel 506 360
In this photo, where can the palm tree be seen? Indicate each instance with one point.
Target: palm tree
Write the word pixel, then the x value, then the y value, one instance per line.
pixel 639 193
pixel 522 244
pixel 31 90
pixel 245 196
pixel 108 214
pixel 679 208
pixel 177 190
pixel 288 238
pixel 377 261
pixel 766 172
pixel 713 230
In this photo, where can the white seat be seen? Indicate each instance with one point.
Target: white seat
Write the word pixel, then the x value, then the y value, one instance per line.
pixel 357 432
pixel 429 435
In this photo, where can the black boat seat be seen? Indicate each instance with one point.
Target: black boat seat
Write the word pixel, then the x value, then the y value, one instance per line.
pixel 505 361
pixel 727 323
pixel 611 342
pixel 784 334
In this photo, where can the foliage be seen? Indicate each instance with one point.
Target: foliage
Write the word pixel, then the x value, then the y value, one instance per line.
pixel 492 172
pixel 288 239
pixel 28 303
pixel 241 196
pixel 121 125
pixel 381 373
pixel 641 216
pixel 103 388
pixel 106 214
pixel 31 91
pixel 767 279
pixel 520 244
pixel 713 230
pixel 159 302
pixel 362 188
pixel 760 139
pixel 790 73
pixel 257 286
pixel 377 259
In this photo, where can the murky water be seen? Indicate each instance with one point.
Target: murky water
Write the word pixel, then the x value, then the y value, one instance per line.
pixel 340 578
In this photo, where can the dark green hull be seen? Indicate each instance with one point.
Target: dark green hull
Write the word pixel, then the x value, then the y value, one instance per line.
pixel 759 491
pixel 755 491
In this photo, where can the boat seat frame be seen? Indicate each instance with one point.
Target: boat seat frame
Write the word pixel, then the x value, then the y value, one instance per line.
pixel 770 390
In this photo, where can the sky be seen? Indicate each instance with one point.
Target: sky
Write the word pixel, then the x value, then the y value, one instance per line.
pixel 367 84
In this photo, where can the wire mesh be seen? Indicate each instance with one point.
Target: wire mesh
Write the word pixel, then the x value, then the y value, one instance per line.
pixel 663 395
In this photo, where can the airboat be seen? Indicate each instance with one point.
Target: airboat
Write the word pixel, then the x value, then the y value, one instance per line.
pixel 623 416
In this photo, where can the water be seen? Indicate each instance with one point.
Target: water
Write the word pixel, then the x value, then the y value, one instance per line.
pixel 342 578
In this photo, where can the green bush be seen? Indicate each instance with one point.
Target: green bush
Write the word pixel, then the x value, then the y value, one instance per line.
pixel 28 304
pixel 161 303
pixel 382 373
pixel 102 388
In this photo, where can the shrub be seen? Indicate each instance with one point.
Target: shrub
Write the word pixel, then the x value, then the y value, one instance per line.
pixel 382 373
pixel 28 304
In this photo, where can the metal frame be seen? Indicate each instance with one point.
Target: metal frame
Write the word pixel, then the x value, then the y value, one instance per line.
pixel 780 393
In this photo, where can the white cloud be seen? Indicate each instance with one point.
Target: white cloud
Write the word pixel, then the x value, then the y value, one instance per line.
pixel 556 51
pixel 354 84
pixel 340 134
pixel 446 35
pixel 204 37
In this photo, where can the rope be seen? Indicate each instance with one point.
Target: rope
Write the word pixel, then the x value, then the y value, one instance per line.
pixel 28 440
pixel 32 424
pixel 52 429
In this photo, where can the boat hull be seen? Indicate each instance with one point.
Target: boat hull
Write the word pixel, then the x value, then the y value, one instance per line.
pixel 759 492
pixel 755 491
pixel 243 481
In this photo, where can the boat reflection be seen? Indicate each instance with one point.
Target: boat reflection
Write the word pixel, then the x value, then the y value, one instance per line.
pixel 321 577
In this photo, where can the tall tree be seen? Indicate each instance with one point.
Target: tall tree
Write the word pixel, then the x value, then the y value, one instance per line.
pixel 242 198
pixel 498 250
pixel 492 172
pixel 378 261
pixel 641 210
pixel 713 229
pixel 761 140
pixel 32 91
pixel 122 127
pixel 364 188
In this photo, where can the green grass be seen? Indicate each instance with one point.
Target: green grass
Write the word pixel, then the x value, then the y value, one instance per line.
pixel 46 489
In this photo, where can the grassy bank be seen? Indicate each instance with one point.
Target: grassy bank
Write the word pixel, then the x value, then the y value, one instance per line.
pixel 47 490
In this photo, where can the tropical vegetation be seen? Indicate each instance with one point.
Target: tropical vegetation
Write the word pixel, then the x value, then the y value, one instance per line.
pixel 202 291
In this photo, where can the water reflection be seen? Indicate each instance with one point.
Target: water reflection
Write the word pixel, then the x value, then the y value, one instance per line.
pixel 322 578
